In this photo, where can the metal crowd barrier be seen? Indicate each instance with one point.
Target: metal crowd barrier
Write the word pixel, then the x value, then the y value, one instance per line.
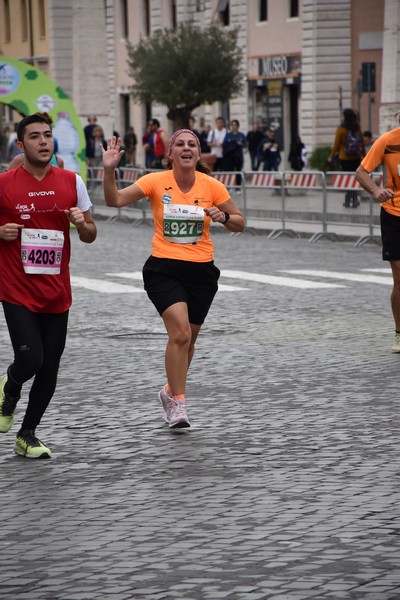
pixel 265 199
pixel 345 202
pixel 329 203
pixel 124 176
pixel 321 200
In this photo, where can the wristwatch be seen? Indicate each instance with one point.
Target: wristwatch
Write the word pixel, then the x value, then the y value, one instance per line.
pixel 227 217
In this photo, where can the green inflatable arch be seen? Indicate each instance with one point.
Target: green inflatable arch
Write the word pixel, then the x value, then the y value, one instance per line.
pixel 29 90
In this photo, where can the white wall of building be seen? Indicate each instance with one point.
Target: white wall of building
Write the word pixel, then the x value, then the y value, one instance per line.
pixel 88 57
pixel 390 66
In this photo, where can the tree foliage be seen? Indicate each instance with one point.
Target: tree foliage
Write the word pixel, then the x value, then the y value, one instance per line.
pixel 319 158
pixel 186 67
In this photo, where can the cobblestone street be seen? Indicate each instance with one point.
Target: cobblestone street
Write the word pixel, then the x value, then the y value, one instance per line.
pixel 286 487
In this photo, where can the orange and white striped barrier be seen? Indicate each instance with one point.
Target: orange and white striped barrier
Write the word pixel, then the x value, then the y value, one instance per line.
pixel 304 180
pixel 98 173
pixel 261 179
pixel 228 179
pixel 346 181
pixel 127 174
pixel 377 178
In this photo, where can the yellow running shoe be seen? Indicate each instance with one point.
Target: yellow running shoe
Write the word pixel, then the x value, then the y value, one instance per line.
pixel 28 445
pixel 7 408
pixel 396 343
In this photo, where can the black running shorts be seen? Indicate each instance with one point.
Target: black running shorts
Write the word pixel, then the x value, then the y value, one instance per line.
pixel 168 281
pixel 390 232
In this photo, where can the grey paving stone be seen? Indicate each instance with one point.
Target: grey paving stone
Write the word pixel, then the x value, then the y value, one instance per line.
pixel 286 486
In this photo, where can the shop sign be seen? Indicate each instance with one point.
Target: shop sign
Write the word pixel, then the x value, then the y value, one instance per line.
pixel 276 65
pixel 273 67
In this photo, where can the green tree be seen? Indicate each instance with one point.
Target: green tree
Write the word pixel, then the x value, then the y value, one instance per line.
pixel 186 67
pixel 319 159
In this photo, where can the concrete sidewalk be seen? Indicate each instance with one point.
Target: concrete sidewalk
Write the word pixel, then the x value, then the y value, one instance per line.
pixel 286 487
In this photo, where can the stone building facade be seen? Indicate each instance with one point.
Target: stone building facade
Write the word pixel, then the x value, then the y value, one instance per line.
pixel 303 60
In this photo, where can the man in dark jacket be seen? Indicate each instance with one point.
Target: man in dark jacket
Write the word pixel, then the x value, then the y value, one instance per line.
pixel 254 137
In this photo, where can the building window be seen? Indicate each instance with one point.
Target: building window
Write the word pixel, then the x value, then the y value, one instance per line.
pixel 146 13
pixel 125 112
pixel 174 14
pixel 124 19
pixel 7 21
pixel 42 19
pixel 223 11
pixel 293 9
pixel 263 12
pixel 24 20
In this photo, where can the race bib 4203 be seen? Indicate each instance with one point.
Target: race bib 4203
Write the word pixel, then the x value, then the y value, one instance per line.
pixel 41 251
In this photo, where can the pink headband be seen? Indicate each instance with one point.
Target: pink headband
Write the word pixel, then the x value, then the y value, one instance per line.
pixel 175 135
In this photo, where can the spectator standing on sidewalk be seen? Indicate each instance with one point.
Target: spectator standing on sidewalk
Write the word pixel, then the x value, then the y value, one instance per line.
pixel 368 140
pixel 93 152
pixel 215 140
pixel 192 123
pixel 269 151
pixel 232 148
pixel 349 147
pixel 386 151
pixel 37 205
pixel 180 277
pixel 12 149
pixel 130 143
pixel 159 142
pixel 88 130
pixel 203 137
pixel 254 137
pixel 296 154
pixel 148 147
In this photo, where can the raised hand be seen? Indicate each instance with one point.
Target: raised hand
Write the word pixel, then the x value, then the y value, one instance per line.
pixel 113 154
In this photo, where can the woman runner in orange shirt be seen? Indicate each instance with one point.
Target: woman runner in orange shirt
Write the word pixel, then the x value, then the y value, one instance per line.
pixel 180 277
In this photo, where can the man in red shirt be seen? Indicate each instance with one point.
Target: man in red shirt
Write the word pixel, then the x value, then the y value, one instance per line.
pixel 159 143
pixel 37 204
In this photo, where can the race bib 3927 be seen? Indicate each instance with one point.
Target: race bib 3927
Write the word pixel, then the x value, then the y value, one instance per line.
pixel 183 224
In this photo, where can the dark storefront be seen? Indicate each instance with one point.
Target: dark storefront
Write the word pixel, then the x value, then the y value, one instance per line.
pixel 274 89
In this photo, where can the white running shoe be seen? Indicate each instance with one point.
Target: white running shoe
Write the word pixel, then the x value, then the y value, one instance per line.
pixel 178 417
pixel 166 403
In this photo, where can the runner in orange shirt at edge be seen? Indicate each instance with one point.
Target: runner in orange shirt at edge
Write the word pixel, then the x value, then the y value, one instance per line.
pixel 180 277
pixel 386 151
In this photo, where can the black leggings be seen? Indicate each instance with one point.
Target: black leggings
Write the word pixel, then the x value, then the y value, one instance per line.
pixel 38 340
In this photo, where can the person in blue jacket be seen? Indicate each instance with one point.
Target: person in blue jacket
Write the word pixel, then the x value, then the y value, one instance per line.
pixel 232 149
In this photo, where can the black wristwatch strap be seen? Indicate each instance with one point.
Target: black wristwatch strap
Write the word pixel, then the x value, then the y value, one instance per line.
pixel 227 217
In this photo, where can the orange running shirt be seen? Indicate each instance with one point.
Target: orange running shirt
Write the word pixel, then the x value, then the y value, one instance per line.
pixel 179 232
pixel 386 150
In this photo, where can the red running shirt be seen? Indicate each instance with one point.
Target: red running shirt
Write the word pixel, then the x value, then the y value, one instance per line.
pixel 38 205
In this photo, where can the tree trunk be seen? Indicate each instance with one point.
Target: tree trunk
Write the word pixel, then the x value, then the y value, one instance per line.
pixel 180 116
